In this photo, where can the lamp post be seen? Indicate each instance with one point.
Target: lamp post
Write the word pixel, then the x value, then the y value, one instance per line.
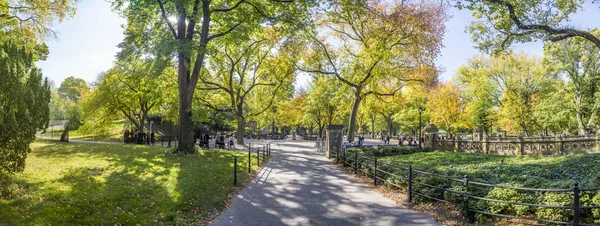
pixel 273 126
pixel 420 112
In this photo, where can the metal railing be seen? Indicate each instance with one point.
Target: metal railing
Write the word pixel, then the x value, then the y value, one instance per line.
pixel 240 168
pixel 379 171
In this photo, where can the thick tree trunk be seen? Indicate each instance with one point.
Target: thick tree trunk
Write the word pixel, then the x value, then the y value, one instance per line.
pixel 390 127
pixel 241 124
pixel 372 127
pixel 186 136
pixel 352 121
pixel 321 130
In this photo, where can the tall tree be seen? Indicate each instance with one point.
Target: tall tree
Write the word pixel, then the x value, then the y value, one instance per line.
pixel 378 44
pixel 553 108
pixel 324 102
pixel 249 77
pixel 449 108
pixel 131 89
pixel 24 98
pixel 24 94
pixel 71 92
pixel 500 23
pixel 579 61
pixel 517 81
pixel 72 88
pixel 189 27
pixel 476 86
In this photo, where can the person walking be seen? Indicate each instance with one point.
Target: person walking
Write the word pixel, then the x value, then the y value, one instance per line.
pixel 126 136
pixel 152 138
pixel 230 141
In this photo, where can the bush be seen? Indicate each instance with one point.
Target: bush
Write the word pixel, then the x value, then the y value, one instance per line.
pixel 510 195
pixel 554 172
pixel 555 199
pixel 596 212
pixel 453 197
pixel 435 181
pixel 385 150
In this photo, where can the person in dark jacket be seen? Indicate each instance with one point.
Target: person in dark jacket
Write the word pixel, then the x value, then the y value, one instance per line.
pixel 152 138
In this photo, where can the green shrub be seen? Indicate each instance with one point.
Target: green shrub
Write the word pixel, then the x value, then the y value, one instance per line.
pixel 510 195
pixel 555 199
pixel 554 172
pixel 454 197
pixel 596 212
pixel 435 181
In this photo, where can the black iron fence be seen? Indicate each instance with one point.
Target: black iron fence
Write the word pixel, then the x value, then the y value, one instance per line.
pixel 465 195
pixel 243 167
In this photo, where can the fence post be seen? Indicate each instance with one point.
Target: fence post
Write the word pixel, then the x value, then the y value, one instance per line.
pixel 249 160
pixel 234 171
pixel 466 200
pixel 374 170
pixel 258 157
pixel 355 162
pixel 344 162
pixel 576 204
pixel 410 180
pixel 559 145
pixel 337 155
pixel 520 146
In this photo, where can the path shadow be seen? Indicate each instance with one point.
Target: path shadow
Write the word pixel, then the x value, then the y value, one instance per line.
pixel 303 188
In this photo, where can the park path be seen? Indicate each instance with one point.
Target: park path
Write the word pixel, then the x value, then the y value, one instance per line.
pixel 301 187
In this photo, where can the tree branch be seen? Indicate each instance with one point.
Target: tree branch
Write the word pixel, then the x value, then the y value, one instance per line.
pixel 224 33
pixel 164 16
pixel 562 32
pixel 337 75
pixel 228 9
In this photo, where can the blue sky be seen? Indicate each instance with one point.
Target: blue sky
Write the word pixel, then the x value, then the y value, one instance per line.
pixel 87 43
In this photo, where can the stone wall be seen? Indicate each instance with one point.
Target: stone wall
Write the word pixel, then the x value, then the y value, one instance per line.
pixel 521 147
pixel 559 145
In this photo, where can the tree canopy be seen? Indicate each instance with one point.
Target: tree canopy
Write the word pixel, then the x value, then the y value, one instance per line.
pixel 381 46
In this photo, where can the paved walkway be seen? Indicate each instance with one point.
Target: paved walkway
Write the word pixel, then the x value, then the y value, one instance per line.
pixel 300 187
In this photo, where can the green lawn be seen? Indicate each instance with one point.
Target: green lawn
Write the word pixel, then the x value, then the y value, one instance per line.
pixel 103 184
pixel 113 134
pixel 526 171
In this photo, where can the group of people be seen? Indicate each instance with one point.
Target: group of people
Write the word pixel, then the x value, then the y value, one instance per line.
pixel 385 139
pixel 203 140
pixel 220 141
pixel 139 137
pixel 409 139
pixel 401 139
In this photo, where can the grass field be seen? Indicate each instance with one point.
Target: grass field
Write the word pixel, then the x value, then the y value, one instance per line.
pixel 103 184
pixel 112 134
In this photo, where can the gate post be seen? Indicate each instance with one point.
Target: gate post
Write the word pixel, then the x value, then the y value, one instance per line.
pixel 333 139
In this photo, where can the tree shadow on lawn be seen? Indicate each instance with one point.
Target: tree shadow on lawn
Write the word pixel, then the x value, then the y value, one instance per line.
pixel 122 184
